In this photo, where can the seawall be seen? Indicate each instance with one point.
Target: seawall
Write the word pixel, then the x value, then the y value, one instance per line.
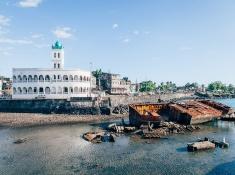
pixel 126 100
pixel 48 106
pixel 102 106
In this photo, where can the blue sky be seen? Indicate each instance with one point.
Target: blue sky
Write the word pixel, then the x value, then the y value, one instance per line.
pixel 162 40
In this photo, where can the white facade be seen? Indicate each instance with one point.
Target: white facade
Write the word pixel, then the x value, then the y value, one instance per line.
pixel 54 83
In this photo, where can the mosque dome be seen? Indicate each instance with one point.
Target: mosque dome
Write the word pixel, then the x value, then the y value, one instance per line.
pixel 57 45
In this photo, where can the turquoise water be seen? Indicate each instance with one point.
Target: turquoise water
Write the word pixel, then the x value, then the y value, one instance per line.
pixel 61 150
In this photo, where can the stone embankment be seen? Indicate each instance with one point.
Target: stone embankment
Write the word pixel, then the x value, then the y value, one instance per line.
pixel 104 106
pixel 126 100
pixel 47 106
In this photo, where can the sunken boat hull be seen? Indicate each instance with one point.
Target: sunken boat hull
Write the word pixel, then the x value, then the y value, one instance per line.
pixel 185 112
pixel 144 113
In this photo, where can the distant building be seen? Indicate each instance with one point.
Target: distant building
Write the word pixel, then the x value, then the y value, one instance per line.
pixel 52 83
pixel 114 84
pixel 1 87
pixel 135 88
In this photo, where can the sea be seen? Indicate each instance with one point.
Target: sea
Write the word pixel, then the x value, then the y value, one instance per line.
pixel 60 149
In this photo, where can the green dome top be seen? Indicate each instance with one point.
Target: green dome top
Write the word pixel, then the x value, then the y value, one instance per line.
pixel 57 45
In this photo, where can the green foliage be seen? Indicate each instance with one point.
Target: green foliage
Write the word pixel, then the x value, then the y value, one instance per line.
pixel 218 86
pixel 125 78
pixel 168 86
pixel 191 86
pixel 97 73
pixel 147 86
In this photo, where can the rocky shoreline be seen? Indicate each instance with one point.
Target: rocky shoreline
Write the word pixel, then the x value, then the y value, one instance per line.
pixel 32 119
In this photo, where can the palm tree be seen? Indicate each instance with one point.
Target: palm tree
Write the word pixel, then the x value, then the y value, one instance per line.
pixel 97 74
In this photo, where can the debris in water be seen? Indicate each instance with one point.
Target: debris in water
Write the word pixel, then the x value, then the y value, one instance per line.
pixel 19 141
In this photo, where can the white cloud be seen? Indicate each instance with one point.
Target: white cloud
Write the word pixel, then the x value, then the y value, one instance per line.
pixel 41 45
pixel 63 32
pixel 136 32
pixel 115 26
pixel 6 51
pixel 146 32
pixel 185 48
pixel 30 3
pixel 4 21
pixel 36 36
pixel 14 41
pixel 126 40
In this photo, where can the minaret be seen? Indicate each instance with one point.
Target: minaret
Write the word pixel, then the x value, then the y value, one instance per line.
pixel 58 55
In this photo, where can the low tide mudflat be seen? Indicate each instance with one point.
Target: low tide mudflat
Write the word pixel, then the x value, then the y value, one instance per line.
pixel 36 119
pixel 61 150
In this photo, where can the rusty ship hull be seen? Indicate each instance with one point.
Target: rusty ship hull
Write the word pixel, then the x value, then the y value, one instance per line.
pixel 144 113
pixel 184 112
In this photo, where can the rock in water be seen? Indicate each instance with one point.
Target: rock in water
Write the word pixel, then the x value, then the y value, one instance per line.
pixel 19 141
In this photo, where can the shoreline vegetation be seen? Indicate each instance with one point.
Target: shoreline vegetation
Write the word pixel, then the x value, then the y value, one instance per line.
pixel 16 120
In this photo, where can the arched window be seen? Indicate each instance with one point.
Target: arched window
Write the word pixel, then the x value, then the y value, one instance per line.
pixel 70 78
pixel 84 90
pixel 24 90
pixel 14 79
pixel 24 78
pixel 87 78
pixel 59 91
pixel 58 78
pixel 76 90
pixel 19 90
pixel 53 90
pixel 19 78
pixel 41 78
pixel 47 90
pixel 80 78
pixel 30 78
pixel 58 66
pixel 58 55
pixel 41 90
pixel 75 78
pixel 65 90
pixel 54 65
pixel 80 89
pixel 84 78
pixel 54 55
pixel 35 91
pixel 47 78
pixel 35 78
pixel 30 90
pixel 14 90
pixel 65 78
pixel 71 90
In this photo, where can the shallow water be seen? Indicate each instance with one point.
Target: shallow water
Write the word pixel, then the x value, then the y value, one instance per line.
pixel 61 150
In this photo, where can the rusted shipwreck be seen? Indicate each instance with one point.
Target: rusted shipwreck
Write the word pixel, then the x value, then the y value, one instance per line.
pixel 144 113
pixel 184 112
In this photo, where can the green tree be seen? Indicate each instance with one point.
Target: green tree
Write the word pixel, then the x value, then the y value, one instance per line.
pixel 217 86
pixel 168 86
pixel 231 88
pixel 97 74
pixel 148 86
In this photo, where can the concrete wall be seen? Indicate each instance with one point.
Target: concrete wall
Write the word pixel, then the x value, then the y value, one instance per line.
pixel 85 107
pixel 49 106
pixel 125 100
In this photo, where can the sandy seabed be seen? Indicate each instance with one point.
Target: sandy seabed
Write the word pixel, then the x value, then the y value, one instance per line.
pixel 32 119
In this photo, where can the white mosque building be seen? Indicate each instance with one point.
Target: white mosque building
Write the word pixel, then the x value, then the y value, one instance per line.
pixel 51 83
